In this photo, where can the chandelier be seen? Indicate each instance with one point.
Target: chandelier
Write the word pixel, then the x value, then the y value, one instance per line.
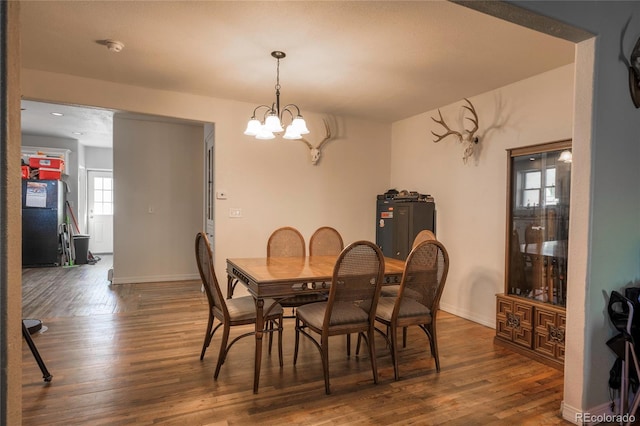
pixel 273 116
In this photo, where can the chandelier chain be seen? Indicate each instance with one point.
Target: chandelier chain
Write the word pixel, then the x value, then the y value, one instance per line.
pixel 278 75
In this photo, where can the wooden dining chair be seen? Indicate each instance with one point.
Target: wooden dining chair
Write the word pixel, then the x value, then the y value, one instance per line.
pixel 231 312
pixel 289 242
pixel 328 241
pixel 392 290
pixel 424 235
pixel 351 307
pixel 535 263
pixel 418 299
pixel 325 241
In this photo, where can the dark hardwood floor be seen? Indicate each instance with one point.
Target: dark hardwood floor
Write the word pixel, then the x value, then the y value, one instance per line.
pixel 129 355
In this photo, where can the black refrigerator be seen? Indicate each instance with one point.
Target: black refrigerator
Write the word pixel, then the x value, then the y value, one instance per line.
pixel 399 221
pixel 43 203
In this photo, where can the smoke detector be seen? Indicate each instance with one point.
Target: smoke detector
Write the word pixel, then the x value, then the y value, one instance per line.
pixel 112 45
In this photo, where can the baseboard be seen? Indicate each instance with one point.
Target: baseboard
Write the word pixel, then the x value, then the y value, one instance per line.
pixel 155 279
pixel 593 416
pixel 462 313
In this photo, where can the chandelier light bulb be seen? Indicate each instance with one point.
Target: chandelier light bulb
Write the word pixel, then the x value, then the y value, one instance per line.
pixel 264 134
pixel 300 125
pixel 566 157
pixel 272 123
pixel 291 133
pixel 253 127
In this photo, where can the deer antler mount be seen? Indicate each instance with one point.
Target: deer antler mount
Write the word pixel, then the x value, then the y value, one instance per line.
pixel 634 74
pixel 467 138
pixel 633 63
pixel 316 151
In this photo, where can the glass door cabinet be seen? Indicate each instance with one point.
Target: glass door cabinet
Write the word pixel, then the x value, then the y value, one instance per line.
pixel 530 312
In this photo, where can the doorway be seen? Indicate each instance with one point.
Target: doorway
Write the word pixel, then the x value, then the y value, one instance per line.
pixel 100 208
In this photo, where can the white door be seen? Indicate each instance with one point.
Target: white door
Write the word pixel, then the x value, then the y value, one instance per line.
pixel 100 208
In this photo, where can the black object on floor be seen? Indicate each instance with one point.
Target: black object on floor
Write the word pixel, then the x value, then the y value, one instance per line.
pixel 34 350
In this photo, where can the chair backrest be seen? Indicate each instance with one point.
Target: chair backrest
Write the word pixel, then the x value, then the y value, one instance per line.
pixel 286 242
pixel 533 238
pixel 204 259
pixel 424 235
pixel 533 234
pixel 325 241
pixel 357 278
pixel 425 273
pixel 517 278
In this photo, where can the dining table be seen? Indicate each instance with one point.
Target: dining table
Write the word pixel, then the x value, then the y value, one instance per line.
pixel 282 277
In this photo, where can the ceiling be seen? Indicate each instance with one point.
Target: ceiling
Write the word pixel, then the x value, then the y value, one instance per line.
pixel 378 60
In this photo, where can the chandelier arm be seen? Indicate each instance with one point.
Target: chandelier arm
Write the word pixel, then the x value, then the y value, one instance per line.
pixel 286 108
pixel 258 107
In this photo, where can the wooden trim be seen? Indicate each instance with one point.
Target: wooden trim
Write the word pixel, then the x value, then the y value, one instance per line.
pixel 533 302
pixel 10 218
pixel 543 147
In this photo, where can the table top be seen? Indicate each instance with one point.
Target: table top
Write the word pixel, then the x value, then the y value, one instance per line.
pixel 282 276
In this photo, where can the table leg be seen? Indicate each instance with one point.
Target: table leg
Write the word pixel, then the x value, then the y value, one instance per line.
pixel 230 280
pixel 258 355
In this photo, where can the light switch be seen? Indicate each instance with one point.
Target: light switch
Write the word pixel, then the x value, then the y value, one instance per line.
pixel 235 212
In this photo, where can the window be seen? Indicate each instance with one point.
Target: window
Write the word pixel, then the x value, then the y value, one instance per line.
pixel 531 190
pixel 533 185
pixel 103 195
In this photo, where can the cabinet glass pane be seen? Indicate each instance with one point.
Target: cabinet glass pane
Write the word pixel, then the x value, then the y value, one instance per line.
pixel 539 193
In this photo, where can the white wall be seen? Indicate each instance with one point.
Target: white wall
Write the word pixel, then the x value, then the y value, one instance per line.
pixel 158 199
pixel 98 158
pixel 471 198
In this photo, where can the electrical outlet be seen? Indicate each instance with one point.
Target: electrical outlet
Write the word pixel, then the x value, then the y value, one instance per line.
pixel 235 212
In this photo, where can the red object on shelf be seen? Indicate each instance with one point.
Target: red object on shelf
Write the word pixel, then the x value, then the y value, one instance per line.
pixel 25 172
pixel 47 162
pixel 49 174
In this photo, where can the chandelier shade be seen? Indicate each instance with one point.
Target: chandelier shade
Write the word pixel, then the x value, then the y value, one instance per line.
pixel 566 156
pixel 271 121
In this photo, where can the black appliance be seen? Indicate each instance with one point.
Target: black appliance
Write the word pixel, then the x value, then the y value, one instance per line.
pixel 399 219
pixel 43 204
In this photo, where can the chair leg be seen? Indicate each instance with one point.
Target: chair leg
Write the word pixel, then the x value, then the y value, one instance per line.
pixel 270 335
pixel 372 353
pixel 207 337
pixel 280 327
pixel 404 337
pixel 348 345
pixel 223 350
pixel 434 344
pixel 295 351
pixel 394 350
pixel 324 350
